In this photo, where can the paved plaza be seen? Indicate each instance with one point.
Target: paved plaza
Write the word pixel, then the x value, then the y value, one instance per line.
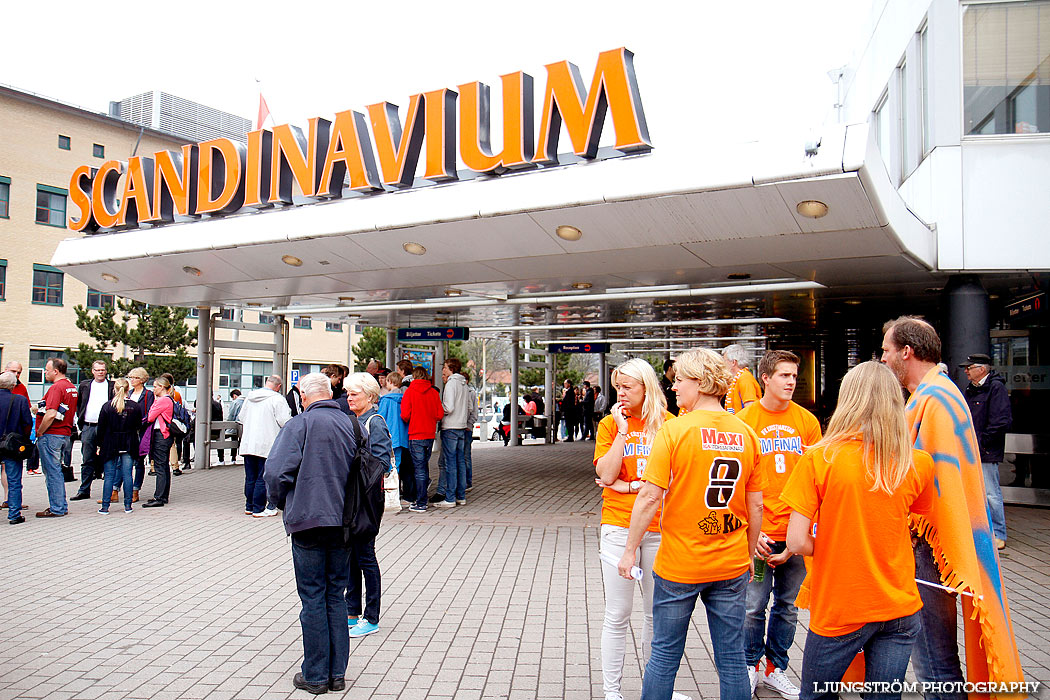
pixel 501 598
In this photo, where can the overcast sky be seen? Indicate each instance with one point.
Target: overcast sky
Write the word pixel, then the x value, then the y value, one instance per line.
pixel 313 59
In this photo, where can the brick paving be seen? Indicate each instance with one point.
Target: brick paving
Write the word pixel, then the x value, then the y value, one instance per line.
pixel 501 598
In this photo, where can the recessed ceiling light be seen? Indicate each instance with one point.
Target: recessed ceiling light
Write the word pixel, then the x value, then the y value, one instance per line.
pixel 581 285
pixel 110 277
pixel 414 248
pixel 853 302
pixel 453 292
pixel 254 303
pixel 568 233
pixel 812 209
pixel 190 270
pixel 291 260
pixel 353 315
pixel 738 276
pixel 345 300
pixel 660 302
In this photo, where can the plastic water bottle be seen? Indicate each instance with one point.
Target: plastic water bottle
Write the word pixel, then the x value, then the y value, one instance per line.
pixel 760 569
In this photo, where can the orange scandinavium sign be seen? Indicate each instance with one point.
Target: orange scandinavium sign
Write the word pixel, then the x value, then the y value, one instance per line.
pixel 221 176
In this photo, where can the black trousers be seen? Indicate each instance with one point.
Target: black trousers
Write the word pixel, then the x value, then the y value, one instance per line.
pixel 159 451
pixel 88 442
pixel 363 564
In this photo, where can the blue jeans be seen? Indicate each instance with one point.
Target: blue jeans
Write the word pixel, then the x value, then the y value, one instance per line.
pixel 322 569
pixel 887 646
pixel 455 468
pixel 993 494
pixel 783 581
pixel 673 605
pixel 254 486
pixel 420 451
pixel 50 447
pixel 935 656
pixel 363 564
pixel 13 467
pixel 118 470
pixel 468 437
pixel 140 471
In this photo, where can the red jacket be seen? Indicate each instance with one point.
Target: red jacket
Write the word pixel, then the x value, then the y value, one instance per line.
pixel 421 408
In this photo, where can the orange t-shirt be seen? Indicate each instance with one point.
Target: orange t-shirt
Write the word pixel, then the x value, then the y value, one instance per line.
pixel 616 506
pixel 742 390
pixel 783 436
pixel 863 566
pixel 706 460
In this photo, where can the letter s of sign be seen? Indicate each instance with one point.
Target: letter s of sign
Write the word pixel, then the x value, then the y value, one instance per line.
pixel 725 472
pixel 80 192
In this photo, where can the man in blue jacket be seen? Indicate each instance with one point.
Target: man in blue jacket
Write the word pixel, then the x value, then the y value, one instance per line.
pixel 306 476
pixel 989 404
pixel 14 418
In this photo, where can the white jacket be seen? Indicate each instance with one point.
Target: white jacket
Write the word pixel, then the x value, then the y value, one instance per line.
pixel 263 415
pixel 455 402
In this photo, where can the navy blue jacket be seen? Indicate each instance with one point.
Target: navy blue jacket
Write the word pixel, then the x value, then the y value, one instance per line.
pixel 20 420
pixel 309 466
pixel 990 408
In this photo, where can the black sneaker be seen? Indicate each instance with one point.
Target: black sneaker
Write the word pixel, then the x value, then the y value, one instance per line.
pixel 80 497
pixel 336 684
pixel 436 497
pixel 299 682
pixel 16 521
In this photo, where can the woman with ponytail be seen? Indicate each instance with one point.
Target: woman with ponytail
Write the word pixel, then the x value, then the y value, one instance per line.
pixel 862 480
pixel 119 423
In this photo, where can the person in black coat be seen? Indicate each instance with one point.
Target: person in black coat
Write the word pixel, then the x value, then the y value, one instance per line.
pixel 14 418
pixel 989 404
pixel 568 410
pixel 119 425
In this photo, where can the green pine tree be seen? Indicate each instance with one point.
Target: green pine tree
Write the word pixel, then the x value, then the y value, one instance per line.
pixel 372 346
pixel 156 338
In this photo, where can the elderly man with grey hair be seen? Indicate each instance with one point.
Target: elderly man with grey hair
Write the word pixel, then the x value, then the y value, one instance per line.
pixel 307 473
pixel 262 415
pixel 14 418
pixel 743 387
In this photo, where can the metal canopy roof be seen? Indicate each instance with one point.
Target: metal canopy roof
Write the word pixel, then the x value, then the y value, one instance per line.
pixel 676 219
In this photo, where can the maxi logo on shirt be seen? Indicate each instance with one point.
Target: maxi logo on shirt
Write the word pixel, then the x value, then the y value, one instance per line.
pixel 712 439
pixel 780 444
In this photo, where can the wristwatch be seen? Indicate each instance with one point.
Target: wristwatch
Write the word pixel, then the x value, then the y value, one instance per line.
pixel 636 486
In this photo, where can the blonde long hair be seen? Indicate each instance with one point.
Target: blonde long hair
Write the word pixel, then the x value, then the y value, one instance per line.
pixel 120 392
pixel 871 406
pixel 654 406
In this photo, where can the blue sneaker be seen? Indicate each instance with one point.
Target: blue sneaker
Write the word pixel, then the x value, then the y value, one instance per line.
pixel 417 508
pixel 363 628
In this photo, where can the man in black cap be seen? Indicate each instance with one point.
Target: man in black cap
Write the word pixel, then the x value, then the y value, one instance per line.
pixel 990 407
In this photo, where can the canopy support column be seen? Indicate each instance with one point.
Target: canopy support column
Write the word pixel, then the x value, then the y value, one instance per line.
pixel 549 402
pixel 391 341
pixel 515 340
pixel 205 351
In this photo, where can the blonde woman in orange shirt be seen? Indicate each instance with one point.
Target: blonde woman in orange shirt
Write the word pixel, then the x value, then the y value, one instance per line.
pixel 862 480
pixel 620 453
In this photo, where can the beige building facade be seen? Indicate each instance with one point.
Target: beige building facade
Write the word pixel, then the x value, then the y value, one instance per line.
pixel 41 143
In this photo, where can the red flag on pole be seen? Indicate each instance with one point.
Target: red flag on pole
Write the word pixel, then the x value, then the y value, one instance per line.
pixel 264 112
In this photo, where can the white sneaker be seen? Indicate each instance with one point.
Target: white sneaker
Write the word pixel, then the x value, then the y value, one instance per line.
pixel 461 501
pixel 675 695
pixel 270 512
pixel 752 676
pixel 613 695
pixel 778 681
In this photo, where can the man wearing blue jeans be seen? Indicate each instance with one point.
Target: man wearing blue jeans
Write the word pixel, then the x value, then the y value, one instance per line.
pixel 454 401
pixel 55 416
pixel 14 418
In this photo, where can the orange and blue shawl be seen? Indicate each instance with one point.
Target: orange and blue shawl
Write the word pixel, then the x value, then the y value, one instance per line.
pixel 958 527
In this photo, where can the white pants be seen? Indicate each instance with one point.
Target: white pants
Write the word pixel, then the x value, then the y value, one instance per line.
pixel 619 599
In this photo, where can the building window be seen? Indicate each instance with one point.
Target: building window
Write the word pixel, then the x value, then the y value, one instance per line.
pixel 924 89
pixel 51 206
pixel 98 300
pixel 1006 68
pixel 301 322
pixel 3 280
pixel 267 318
pixel 305 368
pixel 98 150
pixel 226 315
pixel 334 327
pixel 904 116
pixel 63 142
pixel 242 374
pixel 194 313
pixel 5 197
pixel 35 379
pixel 47 285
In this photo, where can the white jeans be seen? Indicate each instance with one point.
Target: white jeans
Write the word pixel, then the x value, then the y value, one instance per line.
pixel 619 599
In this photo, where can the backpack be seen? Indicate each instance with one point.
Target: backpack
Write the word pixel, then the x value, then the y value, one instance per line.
pixel 180 420
pixel 363 503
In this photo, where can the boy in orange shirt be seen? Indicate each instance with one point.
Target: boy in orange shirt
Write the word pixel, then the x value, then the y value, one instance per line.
pixel 785 431
pixel 711 518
